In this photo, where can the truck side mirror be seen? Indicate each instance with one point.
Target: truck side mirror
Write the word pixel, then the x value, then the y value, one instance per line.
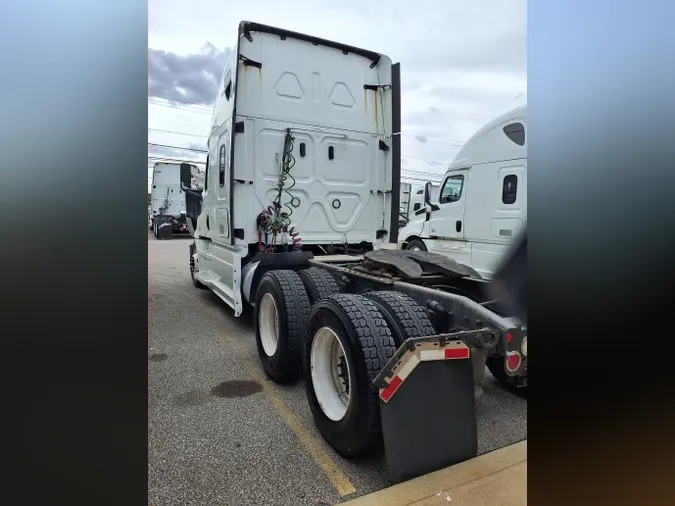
pixel 428 206
pixel 185 176
pixel 427 193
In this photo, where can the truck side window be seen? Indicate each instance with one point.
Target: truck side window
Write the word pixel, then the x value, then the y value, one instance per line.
pixel 515 132
pixel 206 174
pixel 227 85
pixel 452 190
pixel 221 165
pixel 509 189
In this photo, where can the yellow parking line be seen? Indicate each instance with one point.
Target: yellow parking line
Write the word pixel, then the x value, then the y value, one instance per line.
pixel 312 445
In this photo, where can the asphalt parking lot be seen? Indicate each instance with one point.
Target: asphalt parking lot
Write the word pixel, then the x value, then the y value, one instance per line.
pixel 222 434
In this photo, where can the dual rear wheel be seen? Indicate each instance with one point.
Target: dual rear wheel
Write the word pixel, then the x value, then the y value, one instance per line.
pixel 339 342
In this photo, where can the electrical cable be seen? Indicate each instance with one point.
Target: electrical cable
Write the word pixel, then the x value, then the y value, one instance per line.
pixel 273 220
pixel 287 163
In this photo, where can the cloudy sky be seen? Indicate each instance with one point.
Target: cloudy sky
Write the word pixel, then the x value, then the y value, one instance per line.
pixel 463 62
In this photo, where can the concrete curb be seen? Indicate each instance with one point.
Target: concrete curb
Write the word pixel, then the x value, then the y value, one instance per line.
pixel 498 477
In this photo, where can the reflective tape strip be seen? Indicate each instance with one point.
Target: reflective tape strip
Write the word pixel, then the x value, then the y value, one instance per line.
pixel 408 367
pixel 455 350
pixel 426 355
pixel 454 353
pixel 386 393
pixel 444 354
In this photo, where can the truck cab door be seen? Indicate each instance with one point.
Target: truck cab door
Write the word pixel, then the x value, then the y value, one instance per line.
pixel 445 227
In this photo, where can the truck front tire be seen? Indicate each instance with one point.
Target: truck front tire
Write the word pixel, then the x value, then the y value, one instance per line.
pixel 348 343
pixel 416 245
pixel 280 314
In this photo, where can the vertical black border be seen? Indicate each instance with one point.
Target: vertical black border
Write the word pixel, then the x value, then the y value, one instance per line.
pixel 600 252
pixel 74 305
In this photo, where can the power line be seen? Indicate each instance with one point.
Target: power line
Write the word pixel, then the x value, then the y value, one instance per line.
pixel 180 148
pixel 176 132
pixel 183 107
pixel 456 143
pixel 433 162
pixel 178 103
pixel 154 97
pixel 168 160
pixel 422 176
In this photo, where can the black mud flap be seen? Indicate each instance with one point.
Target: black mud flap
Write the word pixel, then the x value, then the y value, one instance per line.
pixel 427 407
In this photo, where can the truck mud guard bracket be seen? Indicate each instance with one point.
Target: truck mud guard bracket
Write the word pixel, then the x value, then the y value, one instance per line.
pixel 427 406
pixel 470 315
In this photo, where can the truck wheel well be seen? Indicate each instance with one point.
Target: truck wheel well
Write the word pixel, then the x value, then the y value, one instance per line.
pixel 294 261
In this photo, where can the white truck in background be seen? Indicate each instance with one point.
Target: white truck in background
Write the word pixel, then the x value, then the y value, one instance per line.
pixel 412 200
pixel 404 204
pixel 167 201
pixel 482 204
pixel 304 163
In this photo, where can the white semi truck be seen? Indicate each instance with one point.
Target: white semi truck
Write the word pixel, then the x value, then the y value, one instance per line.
pixel 167 202
pixel 482 204
pixel 412 200
pixel 298 217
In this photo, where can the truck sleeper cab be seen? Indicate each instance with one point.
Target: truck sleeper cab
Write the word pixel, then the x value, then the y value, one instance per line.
pixel 482 203
pixel 299 155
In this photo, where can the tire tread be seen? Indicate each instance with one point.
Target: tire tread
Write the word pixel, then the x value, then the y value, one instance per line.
pixel 377 344
pixel 297 307
pixel 320 281
pixel 411 316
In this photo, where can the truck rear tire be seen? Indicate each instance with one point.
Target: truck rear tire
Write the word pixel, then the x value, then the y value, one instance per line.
pixel 416 245
pixel 319 283
pixel 405 317
pixel 495 365
pixel 280 314
pixel 348 343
